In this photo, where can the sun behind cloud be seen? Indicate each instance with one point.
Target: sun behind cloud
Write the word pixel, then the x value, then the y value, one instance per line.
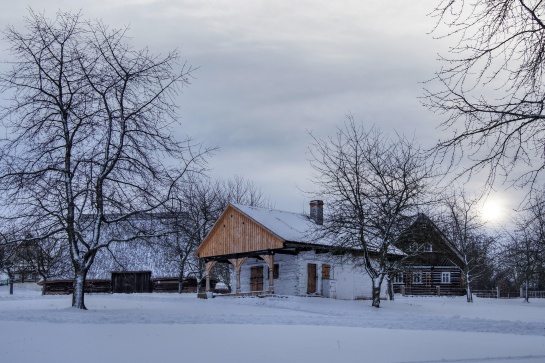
pixel 493 210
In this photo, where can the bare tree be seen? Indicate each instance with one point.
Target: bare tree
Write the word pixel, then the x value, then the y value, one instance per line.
pixel 463 226
pixel 491 87
pixel 525 252
pixel 371 182
pixel 197 203
pixel 47 258
pixel 88 142
pixel 8 257
pixel 242 191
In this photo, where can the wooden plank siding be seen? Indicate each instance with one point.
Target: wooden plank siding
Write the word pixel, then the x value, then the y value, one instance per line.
pixel 235 233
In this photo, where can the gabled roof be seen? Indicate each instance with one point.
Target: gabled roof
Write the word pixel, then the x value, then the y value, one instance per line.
pixel 232 237
pixel 423 218
pixel 289 226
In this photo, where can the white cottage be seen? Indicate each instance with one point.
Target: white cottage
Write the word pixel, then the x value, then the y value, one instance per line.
pixel 273 251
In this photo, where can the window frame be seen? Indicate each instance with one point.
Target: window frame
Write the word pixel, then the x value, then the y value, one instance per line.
pixel 398 278
pixel 417 278
pixel 448 278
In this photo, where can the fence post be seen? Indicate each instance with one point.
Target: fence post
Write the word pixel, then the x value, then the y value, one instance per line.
pixel 438 290
pixel 498 292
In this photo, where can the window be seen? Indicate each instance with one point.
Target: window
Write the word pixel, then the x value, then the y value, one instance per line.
pixel 445 277
pixel 398 278
pixel 417 277
pixel 428 247
pixel 326 271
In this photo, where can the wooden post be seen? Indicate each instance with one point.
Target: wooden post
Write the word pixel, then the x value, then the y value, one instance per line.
pixel 209 266
pixel 237 263
pixel 270 262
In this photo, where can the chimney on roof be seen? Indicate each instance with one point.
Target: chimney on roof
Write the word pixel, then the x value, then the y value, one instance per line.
pixel 317 211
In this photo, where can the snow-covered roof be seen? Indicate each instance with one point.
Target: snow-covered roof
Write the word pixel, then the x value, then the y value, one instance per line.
pixel 294 227
pixel 289 226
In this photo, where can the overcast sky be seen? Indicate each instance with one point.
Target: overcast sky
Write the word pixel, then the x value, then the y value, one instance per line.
pixel 270 71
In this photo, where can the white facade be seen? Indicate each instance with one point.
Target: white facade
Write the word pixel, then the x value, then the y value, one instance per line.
pixel 346 281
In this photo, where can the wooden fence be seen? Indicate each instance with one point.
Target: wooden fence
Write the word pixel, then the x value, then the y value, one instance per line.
pixel 159 285
pixel 536 294
pixel 66 287
pixel 498 293
pixel 428 290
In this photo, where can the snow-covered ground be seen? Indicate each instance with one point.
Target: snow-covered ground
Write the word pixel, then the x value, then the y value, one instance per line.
pixel 182 328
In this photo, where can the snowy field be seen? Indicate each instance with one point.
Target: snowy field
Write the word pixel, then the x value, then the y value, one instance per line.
pixel 182 328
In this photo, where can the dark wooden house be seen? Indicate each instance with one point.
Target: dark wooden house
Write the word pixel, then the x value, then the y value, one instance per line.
pixel 432 265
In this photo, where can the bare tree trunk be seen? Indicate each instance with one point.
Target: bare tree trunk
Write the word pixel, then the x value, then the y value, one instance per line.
pixel 181 281
pixel 377 282
pixel 78 296
pixel 468 289
pixel 44 287
pixel 390 290
pixel 526 296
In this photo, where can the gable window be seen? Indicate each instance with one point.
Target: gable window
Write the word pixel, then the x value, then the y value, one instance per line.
pixel 427 247
pixel 417 277
pixel 445 277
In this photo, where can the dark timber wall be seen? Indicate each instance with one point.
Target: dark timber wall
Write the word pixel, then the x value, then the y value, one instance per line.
pixel 129 282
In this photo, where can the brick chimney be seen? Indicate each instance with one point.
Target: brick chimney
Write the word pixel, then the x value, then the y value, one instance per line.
pixel 317 211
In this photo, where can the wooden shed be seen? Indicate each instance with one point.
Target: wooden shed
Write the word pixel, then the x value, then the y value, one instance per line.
pixel 129 282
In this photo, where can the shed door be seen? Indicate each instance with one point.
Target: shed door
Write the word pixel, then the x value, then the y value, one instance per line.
pixel 311 283
pixel 256 278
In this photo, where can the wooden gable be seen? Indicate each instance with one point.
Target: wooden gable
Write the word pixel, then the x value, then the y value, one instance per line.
pixel 424 232
pixel 236 233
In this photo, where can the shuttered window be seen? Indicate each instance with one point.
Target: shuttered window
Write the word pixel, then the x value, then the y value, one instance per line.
pixel 326 271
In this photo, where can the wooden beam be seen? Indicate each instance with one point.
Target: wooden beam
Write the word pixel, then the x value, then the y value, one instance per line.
pixel 209 266
pixel 237 263
pixel 270 262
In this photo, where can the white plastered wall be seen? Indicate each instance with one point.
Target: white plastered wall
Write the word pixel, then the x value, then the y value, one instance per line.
pixel 348 281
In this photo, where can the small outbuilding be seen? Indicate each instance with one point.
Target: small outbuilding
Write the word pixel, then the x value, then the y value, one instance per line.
pixel 277 252
pixel 130 282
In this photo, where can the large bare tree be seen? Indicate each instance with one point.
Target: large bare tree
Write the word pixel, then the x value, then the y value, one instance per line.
pixel 490 87
pixel 88 139
pixel 371 182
